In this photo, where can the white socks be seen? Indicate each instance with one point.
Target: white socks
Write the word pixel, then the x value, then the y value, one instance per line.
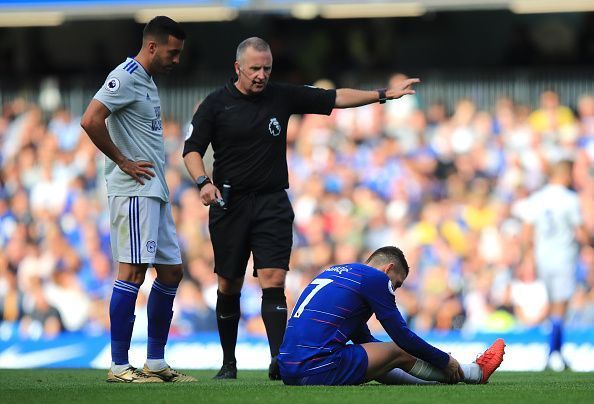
pixel 472 373
pixel 153 364
pixel 117 369
pixel 399 376
pixel 156 364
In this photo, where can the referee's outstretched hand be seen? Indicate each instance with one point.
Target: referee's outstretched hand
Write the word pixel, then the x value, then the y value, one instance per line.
pixel 138 170
pixel 402 88
pixel 209 194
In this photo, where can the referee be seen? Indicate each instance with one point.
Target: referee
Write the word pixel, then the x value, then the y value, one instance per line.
pixel 246 123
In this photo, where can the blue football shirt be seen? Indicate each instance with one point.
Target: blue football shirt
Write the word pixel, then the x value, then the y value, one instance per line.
pixel 334 309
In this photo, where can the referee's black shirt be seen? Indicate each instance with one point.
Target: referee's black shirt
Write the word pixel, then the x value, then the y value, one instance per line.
pixel 249 133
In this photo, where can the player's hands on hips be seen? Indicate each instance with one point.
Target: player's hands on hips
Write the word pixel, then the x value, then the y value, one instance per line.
pixel 209 194
pixel 402 88
pixel 139 170
pixel 453 371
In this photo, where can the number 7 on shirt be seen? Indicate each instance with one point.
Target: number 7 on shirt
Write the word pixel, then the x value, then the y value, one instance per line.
pixel 320 284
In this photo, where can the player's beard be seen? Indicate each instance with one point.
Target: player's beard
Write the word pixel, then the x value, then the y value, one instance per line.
pixel 160 66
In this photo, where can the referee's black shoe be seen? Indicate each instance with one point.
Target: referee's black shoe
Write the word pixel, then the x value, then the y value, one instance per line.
pixel 228 371
pixel 273 370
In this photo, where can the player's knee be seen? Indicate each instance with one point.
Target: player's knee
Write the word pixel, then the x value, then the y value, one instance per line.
pixel 272 278
pixel 172 275
pixel 402 359
pixel 230 286
pixel 131 273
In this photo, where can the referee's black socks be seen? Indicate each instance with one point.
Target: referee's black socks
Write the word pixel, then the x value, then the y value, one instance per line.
pixel 274 315
pixel 228 314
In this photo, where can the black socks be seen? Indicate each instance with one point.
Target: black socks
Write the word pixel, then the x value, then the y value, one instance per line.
pixel 228 314
pixel 274 315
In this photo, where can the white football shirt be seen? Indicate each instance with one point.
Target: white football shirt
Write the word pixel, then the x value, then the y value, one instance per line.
pixel 135 127
pixel 555 213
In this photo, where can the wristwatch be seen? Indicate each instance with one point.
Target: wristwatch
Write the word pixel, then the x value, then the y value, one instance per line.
pixel 202 181
pixel 382 95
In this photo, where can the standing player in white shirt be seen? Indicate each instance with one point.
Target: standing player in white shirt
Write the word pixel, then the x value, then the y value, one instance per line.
pixel 554 231
pixel 142 228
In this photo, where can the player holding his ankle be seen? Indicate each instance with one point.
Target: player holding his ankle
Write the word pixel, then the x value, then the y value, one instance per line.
pixel 334 309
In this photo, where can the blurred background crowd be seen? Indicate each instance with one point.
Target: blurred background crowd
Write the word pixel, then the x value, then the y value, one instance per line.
pixel 444 184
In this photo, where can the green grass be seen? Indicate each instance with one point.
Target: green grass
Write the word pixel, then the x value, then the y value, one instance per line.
pixel 88 386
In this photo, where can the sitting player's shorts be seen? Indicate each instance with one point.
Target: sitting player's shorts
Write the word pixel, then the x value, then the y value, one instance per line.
pixel 351 366
pixel 142 231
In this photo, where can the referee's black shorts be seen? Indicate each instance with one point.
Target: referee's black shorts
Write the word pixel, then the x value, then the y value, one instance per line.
pixel 258 223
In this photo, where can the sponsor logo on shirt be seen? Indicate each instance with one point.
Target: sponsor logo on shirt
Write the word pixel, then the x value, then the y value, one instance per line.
pixel 274 127
pixel 339 269
pixel 112 85
pixel 156 124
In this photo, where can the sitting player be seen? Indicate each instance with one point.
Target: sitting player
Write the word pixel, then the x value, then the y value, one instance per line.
pixel 334 309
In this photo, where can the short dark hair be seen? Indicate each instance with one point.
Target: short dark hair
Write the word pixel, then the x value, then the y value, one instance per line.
pixel 387 255
pixel 161 27
pixel 253 42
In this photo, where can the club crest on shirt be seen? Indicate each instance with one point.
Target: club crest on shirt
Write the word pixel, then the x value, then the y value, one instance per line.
pixel 112 85
pixel 274 127
pixel 151 246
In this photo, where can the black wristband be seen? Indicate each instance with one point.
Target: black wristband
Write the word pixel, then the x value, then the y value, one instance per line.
pixel 382 95
pixel 202 181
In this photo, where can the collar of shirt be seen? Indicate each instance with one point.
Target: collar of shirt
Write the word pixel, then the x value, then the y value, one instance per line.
pixel 238 94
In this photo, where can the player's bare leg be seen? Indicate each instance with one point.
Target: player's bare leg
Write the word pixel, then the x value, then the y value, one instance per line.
pixel 385 357
pixel 385 363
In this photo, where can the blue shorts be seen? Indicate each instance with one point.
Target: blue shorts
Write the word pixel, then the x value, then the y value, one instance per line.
pixel 351 362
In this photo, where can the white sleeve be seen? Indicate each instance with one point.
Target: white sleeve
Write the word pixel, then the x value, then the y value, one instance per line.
pixel 575 212
pixel 522 209
pixel 117 91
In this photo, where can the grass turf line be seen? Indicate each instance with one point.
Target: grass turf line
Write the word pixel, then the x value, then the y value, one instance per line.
pixel 89 386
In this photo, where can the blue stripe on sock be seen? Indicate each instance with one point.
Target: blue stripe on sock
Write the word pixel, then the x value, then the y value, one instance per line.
pixel 172 289
pixel 121 317
pixel 123 286
pixel 159 289
pixel 125 290
pixel 127 285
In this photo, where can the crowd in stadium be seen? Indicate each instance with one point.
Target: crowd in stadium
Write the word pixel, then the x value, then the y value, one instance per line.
pixel 445 186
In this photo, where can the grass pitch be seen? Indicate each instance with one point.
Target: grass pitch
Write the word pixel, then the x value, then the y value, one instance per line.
pixel 89 386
